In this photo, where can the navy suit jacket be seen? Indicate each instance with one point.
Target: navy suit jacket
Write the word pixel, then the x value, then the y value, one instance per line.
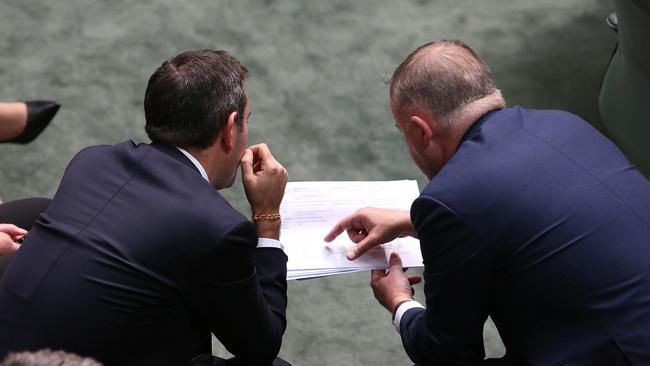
pixel 136 261
pixel 541 223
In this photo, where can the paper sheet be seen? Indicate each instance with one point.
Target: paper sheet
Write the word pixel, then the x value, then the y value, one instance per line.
pixel 311 209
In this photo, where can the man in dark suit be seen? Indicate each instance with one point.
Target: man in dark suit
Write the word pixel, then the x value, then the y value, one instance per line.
pixel 531 217
pixel 139 259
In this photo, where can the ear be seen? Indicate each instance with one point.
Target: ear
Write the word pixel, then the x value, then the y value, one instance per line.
pixel 421 129
pixel 228 133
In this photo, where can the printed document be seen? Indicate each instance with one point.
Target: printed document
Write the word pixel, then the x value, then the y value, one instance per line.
pixel 311 209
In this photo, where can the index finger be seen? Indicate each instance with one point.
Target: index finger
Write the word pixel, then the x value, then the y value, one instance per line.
pixel 262 151
pixel 12 229
pixel 340 227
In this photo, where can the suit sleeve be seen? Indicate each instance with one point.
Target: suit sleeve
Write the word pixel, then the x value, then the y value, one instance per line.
pixel 457 267
pixel 247 296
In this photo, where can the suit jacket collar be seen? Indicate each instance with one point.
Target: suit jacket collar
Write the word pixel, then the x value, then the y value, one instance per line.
pixel 173 152
pixel 475 128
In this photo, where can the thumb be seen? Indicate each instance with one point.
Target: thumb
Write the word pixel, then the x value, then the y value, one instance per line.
pixel 363 246
pixel 395 262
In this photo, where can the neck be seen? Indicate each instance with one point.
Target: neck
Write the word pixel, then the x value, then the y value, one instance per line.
pixel 207 160
pixel 460 121
pixel 464 117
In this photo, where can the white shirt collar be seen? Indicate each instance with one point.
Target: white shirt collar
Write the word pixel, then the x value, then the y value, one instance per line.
pixel 195 162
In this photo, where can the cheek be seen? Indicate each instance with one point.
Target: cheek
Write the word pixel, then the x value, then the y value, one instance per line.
pixel 419 161
pixel 413 153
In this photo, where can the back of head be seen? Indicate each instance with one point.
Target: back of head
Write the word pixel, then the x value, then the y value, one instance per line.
pixel 440 77
pixel 190 96
pixel 47 357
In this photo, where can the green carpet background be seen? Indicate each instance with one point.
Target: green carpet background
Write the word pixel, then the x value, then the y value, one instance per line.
pixel 317 100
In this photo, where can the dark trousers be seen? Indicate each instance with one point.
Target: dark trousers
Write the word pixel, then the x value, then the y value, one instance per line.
pixel 21 213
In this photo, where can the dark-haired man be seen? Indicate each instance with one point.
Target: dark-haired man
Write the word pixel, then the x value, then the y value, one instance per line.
pixel 138 259
pixel 531 217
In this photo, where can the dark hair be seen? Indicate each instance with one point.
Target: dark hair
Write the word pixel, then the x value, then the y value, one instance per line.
pixel 440 76
pixel 191 95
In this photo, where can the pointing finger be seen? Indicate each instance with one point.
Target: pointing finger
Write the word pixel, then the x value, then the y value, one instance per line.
pixel 341 226
pixel 336 231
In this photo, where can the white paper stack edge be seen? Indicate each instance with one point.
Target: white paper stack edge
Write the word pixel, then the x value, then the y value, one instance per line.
pixel 311 209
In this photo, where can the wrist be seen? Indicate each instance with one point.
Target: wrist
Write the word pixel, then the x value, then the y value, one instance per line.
pixel 397 301
pixel 406 226
pixel 265 210
pixel 265 217
pixel 397 305
pixel 268 229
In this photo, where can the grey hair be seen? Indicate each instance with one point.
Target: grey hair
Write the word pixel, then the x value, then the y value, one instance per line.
pixel 442 78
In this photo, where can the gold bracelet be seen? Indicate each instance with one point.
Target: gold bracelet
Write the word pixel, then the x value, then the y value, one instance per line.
pixel 266 217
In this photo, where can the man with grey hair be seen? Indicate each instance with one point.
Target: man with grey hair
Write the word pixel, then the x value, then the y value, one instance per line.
pixel 531 217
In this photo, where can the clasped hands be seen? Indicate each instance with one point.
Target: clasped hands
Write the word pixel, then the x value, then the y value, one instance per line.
pixel 368 228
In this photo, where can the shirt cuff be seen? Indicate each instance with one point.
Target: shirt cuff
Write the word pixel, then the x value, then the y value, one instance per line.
pixel 269 243
pixel 403 309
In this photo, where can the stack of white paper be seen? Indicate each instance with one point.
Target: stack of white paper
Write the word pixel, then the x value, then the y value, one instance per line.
pixel 311 209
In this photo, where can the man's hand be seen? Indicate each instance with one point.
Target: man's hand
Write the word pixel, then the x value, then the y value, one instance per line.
pixel 370 227
pixel 392 287
pixel 264 181
pixel 9 236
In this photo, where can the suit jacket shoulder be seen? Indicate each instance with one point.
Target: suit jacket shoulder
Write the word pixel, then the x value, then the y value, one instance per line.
pixel 516 161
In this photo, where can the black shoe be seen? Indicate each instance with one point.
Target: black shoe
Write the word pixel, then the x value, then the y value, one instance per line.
pixel 39 115
pixel 612 21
